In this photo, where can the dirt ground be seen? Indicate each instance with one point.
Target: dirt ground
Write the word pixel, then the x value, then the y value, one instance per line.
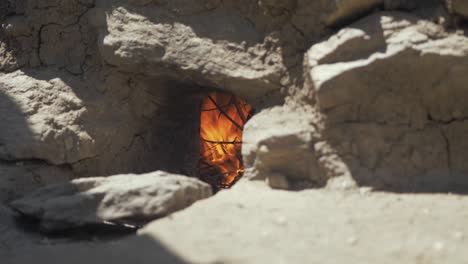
pixel 253 224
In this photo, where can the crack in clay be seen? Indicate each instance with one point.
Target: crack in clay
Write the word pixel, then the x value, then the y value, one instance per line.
pixel 448 150
pixel 32 161
pixel 39 42
pixel 447 122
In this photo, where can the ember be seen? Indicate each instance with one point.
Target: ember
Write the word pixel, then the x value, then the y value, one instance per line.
pixel 222 120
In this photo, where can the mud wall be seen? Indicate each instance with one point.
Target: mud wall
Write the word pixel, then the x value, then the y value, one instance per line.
pixel 348 93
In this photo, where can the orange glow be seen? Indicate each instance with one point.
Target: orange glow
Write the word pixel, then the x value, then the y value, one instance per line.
pixel 222 120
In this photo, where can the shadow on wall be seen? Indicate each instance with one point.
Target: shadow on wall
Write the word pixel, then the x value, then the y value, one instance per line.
pixel 13 128
pixel 14 131
pixel 134 249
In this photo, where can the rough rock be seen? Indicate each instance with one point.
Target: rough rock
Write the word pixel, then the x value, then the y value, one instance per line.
pixel 391 89
pixel 126 198
pixel 218 49
pixel 281 140
pixel 43 120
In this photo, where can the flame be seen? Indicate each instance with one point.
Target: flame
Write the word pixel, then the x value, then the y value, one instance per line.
pixel 222 120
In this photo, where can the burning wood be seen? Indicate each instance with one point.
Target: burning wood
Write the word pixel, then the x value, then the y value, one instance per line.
pixel 222 120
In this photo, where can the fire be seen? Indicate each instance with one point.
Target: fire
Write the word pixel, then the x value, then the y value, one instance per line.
pixel 222 120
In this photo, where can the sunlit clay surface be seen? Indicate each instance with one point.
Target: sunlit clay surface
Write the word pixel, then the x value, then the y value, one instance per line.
pixel 222 120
